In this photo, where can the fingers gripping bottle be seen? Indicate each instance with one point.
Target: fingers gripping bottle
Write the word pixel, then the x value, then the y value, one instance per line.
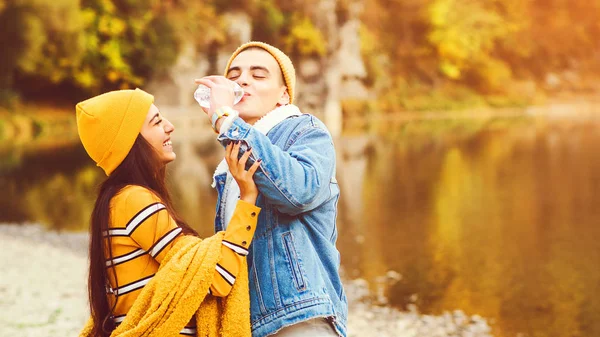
pixel 202 95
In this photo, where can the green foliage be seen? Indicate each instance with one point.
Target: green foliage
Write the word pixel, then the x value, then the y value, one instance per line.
pixel 272 18
pixel 418 54
pixel 50 32
pixel 125 43
pixel 44 39
pixel 95 45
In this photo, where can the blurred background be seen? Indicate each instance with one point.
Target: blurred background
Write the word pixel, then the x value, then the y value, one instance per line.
pixel 467 131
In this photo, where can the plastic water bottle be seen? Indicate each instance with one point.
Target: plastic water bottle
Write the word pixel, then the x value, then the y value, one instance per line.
pixel 202 95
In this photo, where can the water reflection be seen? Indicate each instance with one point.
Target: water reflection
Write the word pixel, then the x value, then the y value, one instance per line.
pixel 498 219
pixel 53 187
pixel 502 223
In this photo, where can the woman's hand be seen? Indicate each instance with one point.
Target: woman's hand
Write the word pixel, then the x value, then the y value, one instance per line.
pixel 237 167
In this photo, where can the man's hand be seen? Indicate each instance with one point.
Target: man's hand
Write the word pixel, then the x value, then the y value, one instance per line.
pixel 221 92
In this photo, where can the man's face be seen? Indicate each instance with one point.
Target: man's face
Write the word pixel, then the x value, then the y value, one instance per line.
pixel 259 74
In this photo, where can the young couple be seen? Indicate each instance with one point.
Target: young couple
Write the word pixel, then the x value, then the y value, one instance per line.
pixel 271 269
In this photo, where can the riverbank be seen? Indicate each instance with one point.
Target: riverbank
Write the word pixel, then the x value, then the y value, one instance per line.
pixel 43 293
pixel 51 127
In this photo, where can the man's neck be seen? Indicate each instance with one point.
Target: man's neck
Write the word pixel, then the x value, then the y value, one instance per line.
pixel 253 120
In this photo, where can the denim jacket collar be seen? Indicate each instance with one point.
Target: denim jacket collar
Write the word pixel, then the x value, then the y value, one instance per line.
pixel 276 116
pixel 263 125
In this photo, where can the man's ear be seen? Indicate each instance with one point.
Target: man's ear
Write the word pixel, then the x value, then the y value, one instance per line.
pixel 285 98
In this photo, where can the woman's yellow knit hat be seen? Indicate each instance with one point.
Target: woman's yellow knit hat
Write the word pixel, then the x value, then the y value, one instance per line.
pixel 285 64
pixel 108 125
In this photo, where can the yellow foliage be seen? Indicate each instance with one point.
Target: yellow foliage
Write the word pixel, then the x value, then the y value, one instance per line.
pixel 305 38
pixel 369 43
pixel 493 74
pixel 450 69
pixel 463 31
pixel 84 77
pixel 110 25
pixel 112 51
pixel 475 44
pixel 88 16
pixel 108 6
pixel 34 38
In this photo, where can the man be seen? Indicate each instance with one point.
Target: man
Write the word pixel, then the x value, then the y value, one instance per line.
pixel 295 287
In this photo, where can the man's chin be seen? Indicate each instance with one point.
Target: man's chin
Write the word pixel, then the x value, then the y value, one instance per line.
pixel 244 114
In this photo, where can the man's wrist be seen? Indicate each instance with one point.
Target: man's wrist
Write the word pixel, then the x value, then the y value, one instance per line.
pixel 227 122
pixel 217 116
pixel 219 123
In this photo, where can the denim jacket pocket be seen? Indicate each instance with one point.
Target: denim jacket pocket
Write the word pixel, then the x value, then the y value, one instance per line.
pixel 294 262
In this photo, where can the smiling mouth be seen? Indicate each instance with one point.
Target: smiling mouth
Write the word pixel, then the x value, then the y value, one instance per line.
pixel 167 143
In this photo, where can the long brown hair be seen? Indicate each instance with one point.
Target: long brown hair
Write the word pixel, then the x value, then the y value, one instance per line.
pixel 141 167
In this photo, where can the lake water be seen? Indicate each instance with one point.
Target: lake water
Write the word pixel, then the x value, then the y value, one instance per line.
pixel 497 218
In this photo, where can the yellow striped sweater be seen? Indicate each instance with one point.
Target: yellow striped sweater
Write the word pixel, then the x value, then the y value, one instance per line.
pixel 141 233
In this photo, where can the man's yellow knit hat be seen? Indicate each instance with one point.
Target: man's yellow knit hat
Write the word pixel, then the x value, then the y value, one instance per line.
pixel 108 125
pixel 285 64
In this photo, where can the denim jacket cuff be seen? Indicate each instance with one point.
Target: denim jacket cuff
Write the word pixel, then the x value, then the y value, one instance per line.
pixel 237 131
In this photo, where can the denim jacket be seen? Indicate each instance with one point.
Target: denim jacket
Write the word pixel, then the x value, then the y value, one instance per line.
pixel 293 262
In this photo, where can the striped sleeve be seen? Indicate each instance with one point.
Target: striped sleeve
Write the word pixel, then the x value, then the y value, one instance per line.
pixel 236 242
pixel 147 222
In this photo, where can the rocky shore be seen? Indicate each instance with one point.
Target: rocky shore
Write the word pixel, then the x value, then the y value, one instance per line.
pixel 43 293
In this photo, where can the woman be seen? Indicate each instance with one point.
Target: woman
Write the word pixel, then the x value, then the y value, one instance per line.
pixel 143 258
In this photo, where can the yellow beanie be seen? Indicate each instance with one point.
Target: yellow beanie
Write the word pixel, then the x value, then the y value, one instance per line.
pixel 285 64
pixel 108 125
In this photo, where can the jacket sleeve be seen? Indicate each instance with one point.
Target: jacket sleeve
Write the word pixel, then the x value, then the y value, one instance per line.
pixel 295 180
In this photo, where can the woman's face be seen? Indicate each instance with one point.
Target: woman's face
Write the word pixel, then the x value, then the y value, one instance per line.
pixel 157 131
